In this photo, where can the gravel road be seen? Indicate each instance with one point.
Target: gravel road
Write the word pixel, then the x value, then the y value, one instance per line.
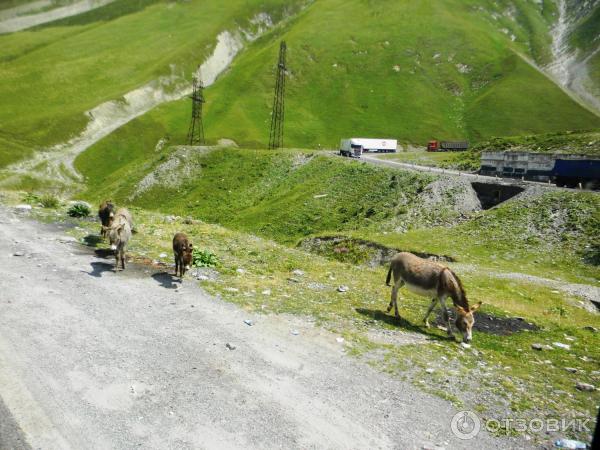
pixel 90 358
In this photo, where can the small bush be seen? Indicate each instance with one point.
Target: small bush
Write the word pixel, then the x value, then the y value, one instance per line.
pixel 49 201
pixel 204 258
pixel 79 210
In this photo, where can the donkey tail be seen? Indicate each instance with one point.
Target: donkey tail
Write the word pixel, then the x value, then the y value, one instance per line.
pixel 389 276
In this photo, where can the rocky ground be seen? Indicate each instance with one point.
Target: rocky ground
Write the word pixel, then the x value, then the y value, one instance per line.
pixel 91 358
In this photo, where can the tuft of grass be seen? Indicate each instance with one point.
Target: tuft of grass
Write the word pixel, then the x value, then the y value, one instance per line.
pixel 49 201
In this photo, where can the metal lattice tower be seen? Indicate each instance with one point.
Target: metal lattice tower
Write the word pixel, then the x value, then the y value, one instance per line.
pixel 278 113
pixel 196 131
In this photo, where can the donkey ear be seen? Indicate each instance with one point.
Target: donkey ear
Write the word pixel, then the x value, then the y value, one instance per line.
pixel 476 307
pixel 460 310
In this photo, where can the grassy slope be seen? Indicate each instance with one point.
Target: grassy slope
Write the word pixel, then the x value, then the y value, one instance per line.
pixel 273 194
pixel 270 193
pixel 51 75
pixel 342 79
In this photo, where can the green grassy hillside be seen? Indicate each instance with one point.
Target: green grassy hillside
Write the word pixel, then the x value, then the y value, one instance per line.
pixel 284 195
pixel 412 70
pixel 51 75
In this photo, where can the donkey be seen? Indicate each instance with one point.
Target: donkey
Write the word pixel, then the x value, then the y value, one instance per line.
pixel 106 213
pixel 429 279
pixel 119 234
pixel 183 249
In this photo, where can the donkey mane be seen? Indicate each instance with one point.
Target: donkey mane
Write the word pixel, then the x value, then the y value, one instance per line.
pixel 462 301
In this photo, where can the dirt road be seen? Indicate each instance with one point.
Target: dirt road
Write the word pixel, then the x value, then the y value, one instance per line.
pixel 90 358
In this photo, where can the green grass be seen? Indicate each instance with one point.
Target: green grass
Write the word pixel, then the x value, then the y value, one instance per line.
pixel 342 79
pixel 397 78
pixel 50 76
pixel 553 236
pixel 281 194
pixel 421 158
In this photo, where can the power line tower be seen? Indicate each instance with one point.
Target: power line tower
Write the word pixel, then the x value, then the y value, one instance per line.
pixel 196 131
pixel 278 113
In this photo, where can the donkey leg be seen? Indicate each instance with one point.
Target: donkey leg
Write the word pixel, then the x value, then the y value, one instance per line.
pixel 397 287
pixel 394 295
pixel 446 317
pixel 431 306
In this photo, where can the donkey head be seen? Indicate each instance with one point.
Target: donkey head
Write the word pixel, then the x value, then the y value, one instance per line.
pixel 465 320
pixel 114 235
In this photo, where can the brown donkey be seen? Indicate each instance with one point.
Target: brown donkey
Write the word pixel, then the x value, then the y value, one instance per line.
pixel 429 279
pixel 183 250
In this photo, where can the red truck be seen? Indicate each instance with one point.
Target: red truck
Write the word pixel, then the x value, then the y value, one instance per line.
pixel 436 146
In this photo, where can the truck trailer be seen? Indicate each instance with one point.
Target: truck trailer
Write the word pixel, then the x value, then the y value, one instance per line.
pixel 444 146
pixel 355 147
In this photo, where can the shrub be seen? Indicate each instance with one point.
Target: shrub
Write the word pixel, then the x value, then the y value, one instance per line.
pixel 204 258
pixel 49 201
pixel 79 210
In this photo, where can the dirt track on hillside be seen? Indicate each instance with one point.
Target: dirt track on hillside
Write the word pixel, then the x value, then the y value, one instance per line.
pixel 90 358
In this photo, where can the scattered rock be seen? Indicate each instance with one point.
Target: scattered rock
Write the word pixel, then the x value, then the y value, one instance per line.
pixel 540 347
pixel 240 271
pixel 298 272
pixel 23 207
pixel 465 345
pixel 590 328
pixel 232 289
pixel 162 255
pixel 230 346
pixel 430 370
pixel 571 369
pixel 343 288
pixel 339 339
pixel 170 219
pixel 248 322
pixel 320 195
pixel 293 280
pixel 584 387
pixel 18 254
pixel 295 332
pixel 561 345
pixel 266 292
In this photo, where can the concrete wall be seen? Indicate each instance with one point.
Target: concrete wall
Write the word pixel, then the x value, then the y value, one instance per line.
pixel 532 166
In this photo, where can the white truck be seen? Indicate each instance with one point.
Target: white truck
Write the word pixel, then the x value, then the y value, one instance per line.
pixel 355 147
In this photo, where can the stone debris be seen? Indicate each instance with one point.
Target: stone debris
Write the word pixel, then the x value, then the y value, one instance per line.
pixel 295 332
pixel 540 347
pixel 343 288
pixel 298 272
pixel 248 322
pixel 561 345
pixel 585 387
pixel 230 346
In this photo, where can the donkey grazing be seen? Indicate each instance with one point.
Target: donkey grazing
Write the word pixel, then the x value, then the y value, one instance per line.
pixel 183 249
pixel 119 234
pixel 429 279
pixel 106 213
